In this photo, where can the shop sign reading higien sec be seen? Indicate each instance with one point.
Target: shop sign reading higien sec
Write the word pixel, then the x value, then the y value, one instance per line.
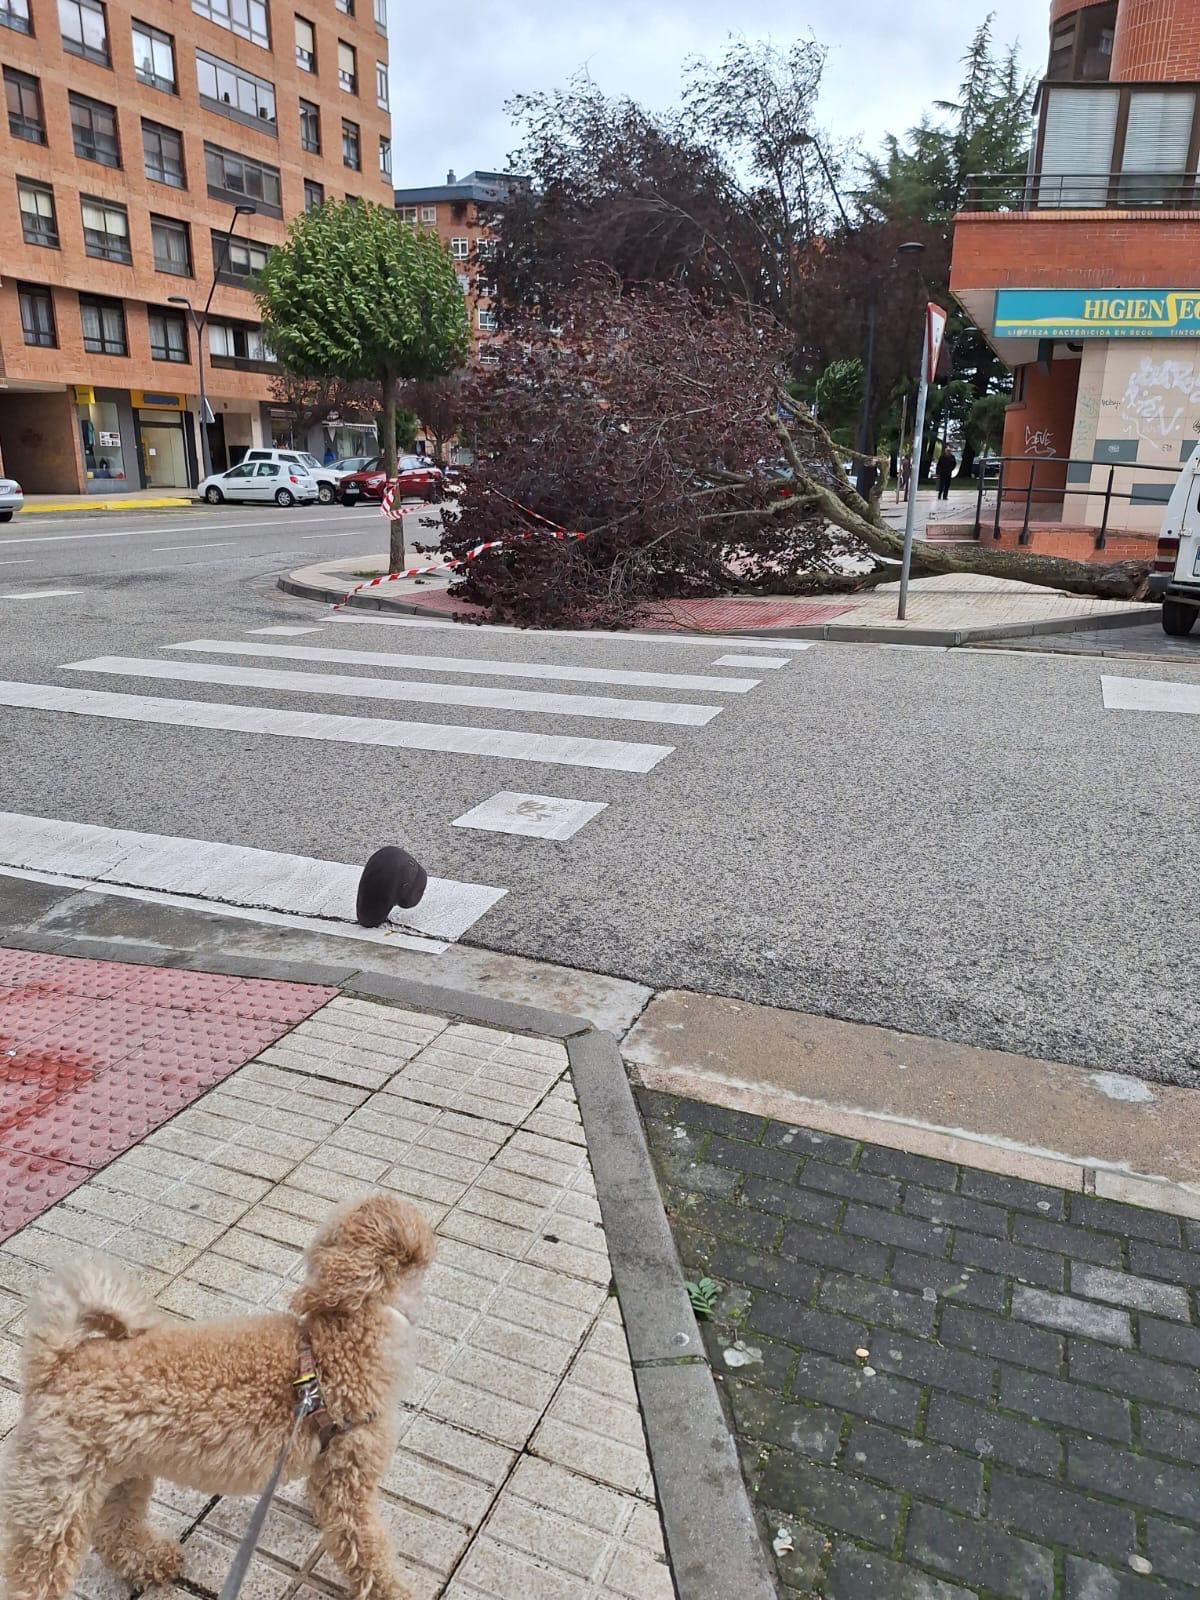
pixel 1097 314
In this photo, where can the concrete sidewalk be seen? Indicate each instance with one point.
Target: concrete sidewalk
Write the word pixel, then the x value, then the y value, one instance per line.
pixel 945 611
pixel 522 1466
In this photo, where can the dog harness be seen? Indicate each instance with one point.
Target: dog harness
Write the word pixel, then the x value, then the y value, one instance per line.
pixel 311 1401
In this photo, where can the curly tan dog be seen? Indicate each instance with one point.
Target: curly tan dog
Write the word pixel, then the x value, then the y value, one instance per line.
pixel 116 1396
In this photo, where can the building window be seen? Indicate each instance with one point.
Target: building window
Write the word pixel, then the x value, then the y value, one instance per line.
pixel 310 127
pixel 484 289
pixel 235 93
pixel 464 283
pixel 162 149
pixel 489 358
pixel 39 224
pixel 105 229
pixel 351 146
pixel 242 261
pixel 168 337
pixel 428 213
pixel 385 155
pixel 24 97
pixel 233 342
pixel 246 18
pixel 485 249
pixel 488 320
pixel 103 327
pixel 381 85
pixel 314 194
pixel 407 214
pixel 346 7
pixel 381 15
pixel 14 14
pixel 229 173
pixel 37 315
pixel 84 31
pixel 347 67
pixel 94 126
pixel 154 57
pixel 460 249
pixel 172 246
pixel 306 46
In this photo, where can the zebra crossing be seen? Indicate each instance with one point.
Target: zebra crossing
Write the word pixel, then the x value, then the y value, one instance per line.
pixel 700 685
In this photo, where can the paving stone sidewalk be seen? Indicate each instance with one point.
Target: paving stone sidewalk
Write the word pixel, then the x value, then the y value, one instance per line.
pixel 945 1383
pixel 521 1468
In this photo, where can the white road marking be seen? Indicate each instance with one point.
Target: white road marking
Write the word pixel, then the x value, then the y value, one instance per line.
pixel 279 633
pixel 232 874
pixel 1150 694
pixel 475 696
pixel 610 755
pixel 706 639
pixel 535 816
pixel 479 665
pixel 39 594
pixel 752 661
pixel 24 561
pixel 220 544
pixel 935 647
pixel 134 533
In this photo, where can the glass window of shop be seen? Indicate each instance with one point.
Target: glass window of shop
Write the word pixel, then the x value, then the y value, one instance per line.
pixel 102 439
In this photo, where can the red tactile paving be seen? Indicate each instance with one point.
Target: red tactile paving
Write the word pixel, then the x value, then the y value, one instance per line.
pixel 683 616
pixel 94 1055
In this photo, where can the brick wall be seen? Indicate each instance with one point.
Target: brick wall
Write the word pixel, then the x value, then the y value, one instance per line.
pixel 1157 39
pixel 1069 250
pixel 1040 424
pixel 1074 544
pixel 1064 8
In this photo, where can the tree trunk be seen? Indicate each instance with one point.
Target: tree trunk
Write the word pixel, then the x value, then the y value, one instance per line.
pixel 1125 580
pixel 396 523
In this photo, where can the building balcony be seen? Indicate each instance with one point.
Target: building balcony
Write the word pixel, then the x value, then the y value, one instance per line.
pixel 1082 191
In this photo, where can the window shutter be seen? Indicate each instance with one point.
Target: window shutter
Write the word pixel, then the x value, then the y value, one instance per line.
pixel 1080 127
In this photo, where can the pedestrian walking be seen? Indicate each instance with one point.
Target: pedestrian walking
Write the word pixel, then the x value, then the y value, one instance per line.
pixel 905 474
pixel 947 462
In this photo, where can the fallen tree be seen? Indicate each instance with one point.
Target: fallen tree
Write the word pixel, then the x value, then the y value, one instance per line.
pixel 656 424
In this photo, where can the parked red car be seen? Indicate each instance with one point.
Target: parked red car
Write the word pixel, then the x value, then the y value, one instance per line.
pixel 418 479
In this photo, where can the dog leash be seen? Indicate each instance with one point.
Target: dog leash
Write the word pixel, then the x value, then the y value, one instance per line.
pixel 308 1402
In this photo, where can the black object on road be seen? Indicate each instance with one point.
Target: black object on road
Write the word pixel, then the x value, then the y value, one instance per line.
pixel 390 878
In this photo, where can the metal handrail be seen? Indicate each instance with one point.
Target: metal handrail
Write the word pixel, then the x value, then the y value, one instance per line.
pixel 1029 488
pixel 1082 191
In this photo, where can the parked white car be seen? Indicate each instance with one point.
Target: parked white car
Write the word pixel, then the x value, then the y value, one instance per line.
pixel 326 478
pixel 11 498
pixel 276 481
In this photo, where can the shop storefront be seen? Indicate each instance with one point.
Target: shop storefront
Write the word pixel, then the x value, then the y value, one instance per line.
pixel 106 438
pixel 166 447
pixel 332 440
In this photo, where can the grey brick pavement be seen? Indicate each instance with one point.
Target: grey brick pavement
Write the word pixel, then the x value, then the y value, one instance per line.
pixel 945 1383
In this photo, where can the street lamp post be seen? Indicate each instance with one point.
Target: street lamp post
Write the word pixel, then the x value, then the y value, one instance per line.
pixel 200 323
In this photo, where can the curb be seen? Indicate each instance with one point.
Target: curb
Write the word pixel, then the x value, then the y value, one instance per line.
pixel 826 632
pixel 712 1538
pixel 91 508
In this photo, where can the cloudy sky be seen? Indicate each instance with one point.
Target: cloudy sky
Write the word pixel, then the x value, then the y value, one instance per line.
pixel 888 60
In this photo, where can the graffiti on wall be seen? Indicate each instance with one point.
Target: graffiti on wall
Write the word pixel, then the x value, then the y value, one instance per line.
pixel 1160 398
pixel 1039 442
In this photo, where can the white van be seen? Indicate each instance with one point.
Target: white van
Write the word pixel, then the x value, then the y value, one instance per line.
pixel 1176 574
pixel 325 478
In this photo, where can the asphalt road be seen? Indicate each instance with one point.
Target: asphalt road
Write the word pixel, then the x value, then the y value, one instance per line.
pixel 963 844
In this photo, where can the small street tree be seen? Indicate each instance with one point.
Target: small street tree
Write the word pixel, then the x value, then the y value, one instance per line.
pixel 309 402
pixel 435 402
pixel 354 294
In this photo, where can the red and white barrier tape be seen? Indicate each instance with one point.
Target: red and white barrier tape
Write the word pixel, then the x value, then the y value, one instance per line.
pixel 450 565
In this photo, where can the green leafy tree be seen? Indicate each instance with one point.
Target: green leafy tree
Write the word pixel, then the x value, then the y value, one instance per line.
pixel 985 421
pixel 354 294
pixel 839 399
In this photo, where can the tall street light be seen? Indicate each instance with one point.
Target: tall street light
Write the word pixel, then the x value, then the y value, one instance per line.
pixel 200 323
pixel 864 421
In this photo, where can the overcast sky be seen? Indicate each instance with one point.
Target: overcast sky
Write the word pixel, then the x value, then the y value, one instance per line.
pixel 889 59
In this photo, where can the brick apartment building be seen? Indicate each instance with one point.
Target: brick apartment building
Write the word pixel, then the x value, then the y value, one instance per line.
pixel 133 129
pixel 462 209
pixel 1084 272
